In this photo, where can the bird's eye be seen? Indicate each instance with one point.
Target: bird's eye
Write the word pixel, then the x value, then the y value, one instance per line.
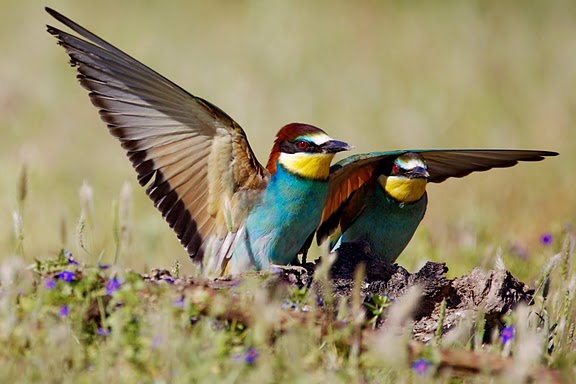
pixel 395 169
pixel 302 144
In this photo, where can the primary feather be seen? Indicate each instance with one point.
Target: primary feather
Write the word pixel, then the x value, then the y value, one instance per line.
pixel 194 158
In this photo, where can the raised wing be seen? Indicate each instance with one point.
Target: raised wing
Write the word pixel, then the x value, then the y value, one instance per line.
pixel 196 160
pixel 355 173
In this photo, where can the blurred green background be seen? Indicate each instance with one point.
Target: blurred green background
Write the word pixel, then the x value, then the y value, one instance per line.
pixel 379 75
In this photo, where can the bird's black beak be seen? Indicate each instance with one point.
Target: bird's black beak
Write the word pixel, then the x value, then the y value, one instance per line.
pixel 418 173
pixel 334 146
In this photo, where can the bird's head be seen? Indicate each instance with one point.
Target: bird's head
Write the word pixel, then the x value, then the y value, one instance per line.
pixel 408 177
pixel 304 150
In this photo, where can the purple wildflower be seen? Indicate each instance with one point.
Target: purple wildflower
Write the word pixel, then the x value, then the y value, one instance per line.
pixel 319 301
pixel 49 283
pixel 103 266
pixel 546 239
pixel 421 366
pixel 64 311
pixel 168 279
pixel 179 303
pixel 289 305
pixel 66 276
pixel 103 332
pixel 392 299
pixel 251 355
pixel 112 285
pixel 507 334
pixel 70 258
pixel 275 270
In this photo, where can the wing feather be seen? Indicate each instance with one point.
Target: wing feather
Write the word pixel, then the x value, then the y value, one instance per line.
pixel 173 139
pixel 350 175
pixel 443 164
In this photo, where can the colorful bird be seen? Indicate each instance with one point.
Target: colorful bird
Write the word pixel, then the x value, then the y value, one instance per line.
pixel 228 211
pixel 381 197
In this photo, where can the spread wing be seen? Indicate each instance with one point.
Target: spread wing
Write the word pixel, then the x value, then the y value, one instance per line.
pixel 352 175
pixel 195 160
pixel 443 164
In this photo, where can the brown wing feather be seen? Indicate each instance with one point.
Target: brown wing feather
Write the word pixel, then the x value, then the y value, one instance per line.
pixel 194 158
pixel 343 184
pixel 351 176
pixel 443 164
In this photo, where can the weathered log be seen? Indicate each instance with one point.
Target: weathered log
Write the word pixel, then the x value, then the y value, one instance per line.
pixel 493 293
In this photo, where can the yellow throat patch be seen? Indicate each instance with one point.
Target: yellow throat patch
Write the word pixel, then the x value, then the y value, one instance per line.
pixel 402 189
pixel 315 166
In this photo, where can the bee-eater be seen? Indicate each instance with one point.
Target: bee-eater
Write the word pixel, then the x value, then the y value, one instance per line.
pixel 228 211
pixel 381 197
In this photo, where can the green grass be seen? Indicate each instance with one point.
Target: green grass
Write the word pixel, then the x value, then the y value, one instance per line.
pixel 378 75
pixel 63 321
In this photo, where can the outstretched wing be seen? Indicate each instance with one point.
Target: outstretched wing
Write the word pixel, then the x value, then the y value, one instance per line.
pixel 444 163
pixel 195 159
pixel 352 175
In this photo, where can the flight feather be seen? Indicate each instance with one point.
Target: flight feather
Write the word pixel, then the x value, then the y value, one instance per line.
pixel 194 159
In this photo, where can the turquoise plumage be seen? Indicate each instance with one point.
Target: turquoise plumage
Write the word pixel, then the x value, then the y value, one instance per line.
pixel 387 237
pixel 289 210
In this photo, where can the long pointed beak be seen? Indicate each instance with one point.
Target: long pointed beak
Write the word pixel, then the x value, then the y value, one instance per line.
pixel 418 173
pixel 334 146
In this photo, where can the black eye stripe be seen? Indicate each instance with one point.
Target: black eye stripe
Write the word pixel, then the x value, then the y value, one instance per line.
pixel 292 147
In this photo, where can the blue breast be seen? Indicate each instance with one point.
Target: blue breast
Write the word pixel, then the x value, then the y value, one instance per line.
pixel 280 223
pixel 386 224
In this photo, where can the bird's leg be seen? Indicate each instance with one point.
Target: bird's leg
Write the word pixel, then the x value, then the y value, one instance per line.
pixel 305 247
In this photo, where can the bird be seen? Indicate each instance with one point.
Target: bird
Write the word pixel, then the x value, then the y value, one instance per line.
pixel 380 197
pixel 229 212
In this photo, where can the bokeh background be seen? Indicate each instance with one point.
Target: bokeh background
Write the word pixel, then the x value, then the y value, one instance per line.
pixel 380 75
